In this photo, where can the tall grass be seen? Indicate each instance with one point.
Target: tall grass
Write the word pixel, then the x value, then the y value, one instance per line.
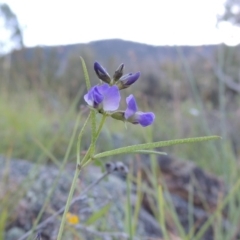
pixel 37 124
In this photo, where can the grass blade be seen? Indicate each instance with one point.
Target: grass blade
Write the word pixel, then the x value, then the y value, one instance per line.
pixel 97 215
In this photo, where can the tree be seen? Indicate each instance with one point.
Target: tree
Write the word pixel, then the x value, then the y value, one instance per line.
pixel 11 33
pixel 232 12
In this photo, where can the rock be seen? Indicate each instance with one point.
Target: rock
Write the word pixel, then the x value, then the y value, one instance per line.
pixel 14 233
pixel 36 183
pixel 28 186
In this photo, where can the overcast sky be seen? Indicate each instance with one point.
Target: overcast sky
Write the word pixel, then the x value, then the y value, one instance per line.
pixel 157 22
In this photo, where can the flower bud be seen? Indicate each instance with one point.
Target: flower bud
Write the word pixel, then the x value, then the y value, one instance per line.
pixel 118 73
pixel 101 73
pixel 110 167
pixel 121 168
pixel 127 80
pixel 119 115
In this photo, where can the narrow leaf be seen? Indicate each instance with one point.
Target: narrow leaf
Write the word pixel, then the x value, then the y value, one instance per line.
pixel 138 147
pixel 85 73
pixel 97 215
pixel 150 152
pixel 93 113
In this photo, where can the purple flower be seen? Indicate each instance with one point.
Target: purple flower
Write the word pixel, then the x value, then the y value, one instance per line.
pixel 103 97
pixel 127 80
pixel 102 73
pixel 132 115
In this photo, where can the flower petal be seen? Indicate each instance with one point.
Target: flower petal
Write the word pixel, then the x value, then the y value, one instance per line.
pixel 145 119
pixel 131 106
pixel 93 97
pixel 111 99
pixel 103 88
pixel 88 97
pixel 97 96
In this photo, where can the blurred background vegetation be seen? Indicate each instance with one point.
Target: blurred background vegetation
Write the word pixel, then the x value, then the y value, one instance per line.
pixel 194 91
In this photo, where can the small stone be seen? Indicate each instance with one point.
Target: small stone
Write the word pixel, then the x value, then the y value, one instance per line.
pixel 14 233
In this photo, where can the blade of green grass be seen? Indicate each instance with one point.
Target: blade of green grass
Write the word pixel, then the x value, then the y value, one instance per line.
pixel 129 210
pixel 97 215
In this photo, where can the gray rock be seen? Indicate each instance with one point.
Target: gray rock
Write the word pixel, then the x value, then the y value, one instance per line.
pixel 14 233
pixel 35 185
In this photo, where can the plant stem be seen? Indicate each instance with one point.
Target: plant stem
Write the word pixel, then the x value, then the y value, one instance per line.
pixel 77 172
pixel 80 138
pixel 86 157
pixel 70 195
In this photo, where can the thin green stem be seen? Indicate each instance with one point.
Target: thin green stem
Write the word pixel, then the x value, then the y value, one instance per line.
pixel 86 157
pixel 93 119
pixel 161 212
pixel 77 172
pixel 100 127
pixel 80 138
pixel 129 210
pixel 70 195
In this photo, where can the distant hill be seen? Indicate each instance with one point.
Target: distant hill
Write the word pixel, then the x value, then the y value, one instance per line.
pixel 63 61
pixel 121 49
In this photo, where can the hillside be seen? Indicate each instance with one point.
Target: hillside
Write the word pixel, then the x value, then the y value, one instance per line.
pixel 121 50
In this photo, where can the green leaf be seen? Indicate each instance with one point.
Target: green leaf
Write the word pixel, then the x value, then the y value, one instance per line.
pixel 97 215
pixel 93 113
pixel 85 73
pixel 150 152
pixel 134 148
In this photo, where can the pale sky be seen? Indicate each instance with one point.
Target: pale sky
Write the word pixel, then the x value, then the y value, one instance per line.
pixel 156 22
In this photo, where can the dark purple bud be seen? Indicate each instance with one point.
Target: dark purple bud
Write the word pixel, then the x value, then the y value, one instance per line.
pixel 118 73
pixel 121 168
pixel 102 73
pixel 127 80
pixel 110 167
